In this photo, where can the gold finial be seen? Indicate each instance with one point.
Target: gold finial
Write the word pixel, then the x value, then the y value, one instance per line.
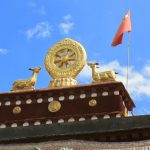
pixel 28 83
pixel 54 106
pixel 101 76
pixel 64 61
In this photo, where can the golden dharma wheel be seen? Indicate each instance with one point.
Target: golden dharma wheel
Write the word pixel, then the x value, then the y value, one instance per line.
pixel 65 59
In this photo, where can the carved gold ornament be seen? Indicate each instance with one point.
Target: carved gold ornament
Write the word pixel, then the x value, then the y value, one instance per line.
pixel 54 106
pixel 64 61
pixel 28 83
pixel 92 103
pixel 105 76
pixel 17 110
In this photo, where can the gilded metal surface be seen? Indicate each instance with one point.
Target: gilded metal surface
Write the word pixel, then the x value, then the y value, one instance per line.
pixel 54 106
pixel 60 82
pixel 125 113
pixel 64 61
pixel 28 83
pixel 92 103
pixel 101 76
pixel 16 110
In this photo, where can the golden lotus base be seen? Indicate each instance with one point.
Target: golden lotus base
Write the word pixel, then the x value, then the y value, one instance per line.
pixel 63 82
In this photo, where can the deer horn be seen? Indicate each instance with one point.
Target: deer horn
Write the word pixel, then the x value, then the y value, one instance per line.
pixel 31 69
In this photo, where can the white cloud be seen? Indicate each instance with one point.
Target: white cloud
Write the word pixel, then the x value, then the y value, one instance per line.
pixel 41 30
pixel 67 25
pixel 37 8
pixel 147 70
pixel 3 51
pixel 67 17
pixel 139 81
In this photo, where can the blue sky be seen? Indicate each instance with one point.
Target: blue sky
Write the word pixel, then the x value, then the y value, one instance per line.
pixel 28 28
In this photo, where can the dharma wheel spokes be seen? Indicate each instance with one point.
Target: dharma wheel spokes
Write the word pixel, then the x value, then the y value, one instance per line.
pixel 64 58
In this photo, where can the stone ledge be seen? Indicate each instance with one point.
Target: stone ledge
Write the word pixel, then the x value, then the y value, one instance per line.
pixel 104 130
pixel 80 145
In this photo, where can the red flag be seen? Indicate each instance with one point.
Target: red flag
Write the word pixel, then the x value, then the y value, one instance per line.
pixel 125 26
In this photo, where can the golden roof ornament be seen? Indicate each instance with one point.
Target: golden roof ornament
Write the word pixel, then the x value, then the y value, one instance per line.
pixel 64 61
pixel 54 106
pixel 16 110
pixel 105 76
pixel 28 83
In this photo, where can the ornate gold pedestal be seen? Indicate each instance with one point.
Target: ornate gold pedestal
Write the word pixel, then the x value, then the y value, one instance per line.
pixel 61 82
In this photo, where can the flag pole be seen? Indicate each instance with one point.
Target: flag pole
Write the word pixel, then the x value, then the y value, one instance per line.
pixel 128 61
pixel 128 65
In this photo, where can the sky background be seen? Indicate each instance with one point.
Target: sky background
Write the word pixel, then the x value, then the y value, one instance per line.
pixel 28 29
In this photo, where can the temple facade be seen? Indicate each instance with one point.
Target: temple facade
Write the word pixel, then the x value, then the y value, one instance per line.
pixel 69 116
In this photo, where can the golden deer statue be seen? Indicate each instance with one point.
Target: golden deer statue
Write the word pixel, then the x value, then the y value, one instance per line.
pixel 28 83
pixel 101 76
